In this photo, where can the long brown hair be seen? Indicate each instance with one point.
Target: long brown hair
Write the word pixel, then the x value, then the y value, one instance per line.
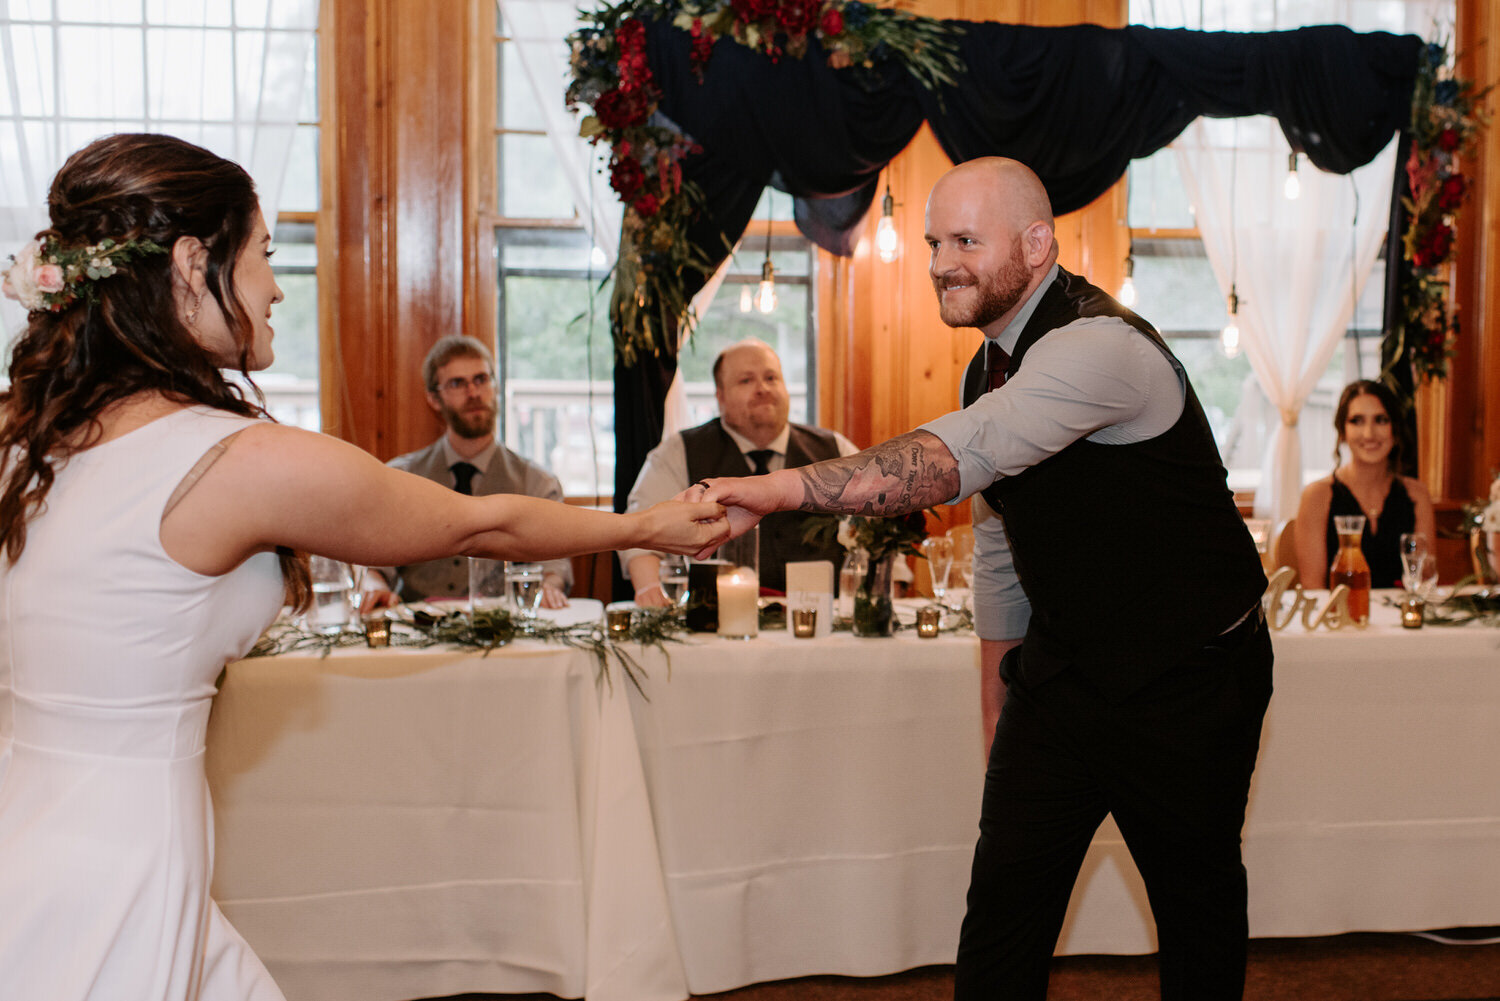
pixel 127 337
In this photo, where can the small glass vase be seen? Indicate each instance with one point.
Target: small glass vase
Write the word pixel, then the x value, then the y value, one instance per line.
pixel 874 609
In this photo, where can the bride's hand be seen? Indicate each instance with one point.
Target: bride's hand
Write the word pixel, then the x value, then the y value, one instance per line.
pixel 684 527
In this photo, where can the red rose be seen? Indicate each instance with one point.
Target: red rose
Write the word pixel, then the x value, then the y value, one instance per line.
pixel 832 23
pixel 646 205
pixel 1451 195
pixel 1440 241
pixel 1448 140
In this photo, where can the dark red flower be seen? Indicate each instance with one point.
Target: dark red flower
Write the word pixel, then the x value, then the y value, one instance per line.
pixel 832 22
pixel 626 177
pixel 647 205
pixel 1451 194
pixel 1448 140
pixel 618 108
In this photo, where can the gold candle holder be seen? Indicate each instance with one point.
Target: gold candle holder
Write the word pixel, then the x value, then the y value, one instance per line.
pixel 377 631
pixel 1412 609
pixel 929 621
pixel 619 623
pixel 804 623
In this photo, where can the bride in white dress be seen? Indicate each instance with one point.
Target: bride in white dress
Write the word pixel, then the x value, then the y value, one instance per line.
pixel 149 517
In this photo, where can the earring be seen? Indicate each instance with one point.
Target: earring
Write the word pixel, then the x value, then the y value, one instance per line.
pixel 192 314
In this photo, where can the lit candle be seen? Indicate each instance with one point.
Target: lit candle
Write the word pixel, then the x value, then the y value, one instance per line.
pixel 739 613
pixel 929 621
pixel 1411 612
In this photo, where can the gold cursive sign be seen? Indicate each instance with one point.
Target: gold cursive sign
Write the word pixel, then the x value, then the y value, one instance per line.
pixel 1333 615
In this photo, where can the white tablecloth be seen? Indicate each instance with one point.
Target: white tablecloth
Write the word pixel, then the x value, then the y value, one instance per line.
pixel 397 824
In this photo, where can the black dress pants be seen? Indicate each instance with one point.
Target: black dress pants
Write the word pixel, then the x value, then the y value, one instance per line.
pixel 1173 764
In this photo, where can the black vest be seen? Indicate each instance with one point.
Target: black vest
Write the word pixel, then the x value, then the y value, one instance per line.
pixel 1132 556
pixel 711 452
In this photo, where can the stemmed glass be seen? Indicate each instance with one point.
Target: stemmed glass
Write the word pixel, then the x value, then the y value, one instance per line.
pixel 674 579
pixel 1418 566
pixel 939 552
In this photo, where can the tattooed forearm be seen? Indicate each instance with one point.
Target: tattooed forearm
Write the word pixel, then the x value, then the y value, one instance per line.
pixel 910 472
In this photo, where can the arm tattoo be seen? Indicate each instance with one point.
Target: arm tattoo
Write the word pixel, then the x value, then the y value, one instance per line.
pixel 910 472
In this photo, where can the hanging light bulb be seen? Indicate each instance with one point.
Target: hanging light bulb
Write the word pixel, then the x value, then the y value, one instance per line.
pixel 1127 287
pixel 887 240
pixel 1293 186
pixel 765 296
pixel 1229 337
pixel 597 258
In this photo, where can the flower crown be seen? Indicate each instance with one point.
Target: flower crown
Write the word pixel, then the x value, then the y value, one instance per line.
pixel 46 276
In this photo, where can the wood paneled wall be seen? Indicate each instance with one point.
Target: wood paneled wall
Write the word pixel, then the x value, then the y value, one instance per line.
pixel 407 251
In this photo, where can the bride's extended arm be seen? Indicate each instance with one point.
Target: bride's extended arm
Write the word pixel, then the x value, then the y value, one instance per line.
pixel 280 486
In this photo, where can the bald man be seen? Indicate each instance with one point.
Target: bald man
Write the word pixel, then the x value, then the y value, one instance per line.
pixel 1116 595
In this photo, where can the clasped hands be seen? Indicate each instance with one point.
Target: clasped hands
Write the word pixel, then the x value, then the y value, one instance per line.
pixel 746 499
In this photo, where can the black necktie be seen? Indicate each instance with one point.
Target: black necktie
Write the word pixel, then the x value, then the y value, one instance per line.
pixel 463 476
pixel 762 459
pixel 996 362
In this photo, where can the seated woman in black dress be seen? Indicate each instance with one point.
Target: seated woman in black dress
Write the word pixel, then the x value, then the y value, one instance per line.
pixel 1368 484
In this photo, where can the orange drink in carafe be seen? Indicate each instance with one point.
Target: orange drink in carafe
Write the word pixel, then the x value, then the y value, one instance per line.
pixel 1349 566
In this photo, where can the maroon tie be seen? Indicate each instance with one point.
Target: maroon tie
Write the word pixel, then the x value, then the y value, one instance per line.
pixel 996 362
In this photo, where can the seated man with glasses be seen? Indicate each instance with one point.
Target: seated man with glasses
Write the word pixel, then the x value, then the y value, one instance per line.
pixel 459 373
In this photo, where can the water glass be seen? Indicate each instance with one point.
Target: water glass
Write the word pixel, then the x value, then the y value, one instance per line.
pixel 487 591
pixel 332 602
pixel 674 579
pixel 524 582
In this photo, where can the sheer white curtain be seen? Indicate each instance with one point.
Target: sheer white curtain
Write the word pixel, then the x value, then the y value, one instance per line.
pixel 538 31
pixel 1298 267
pixel 229 75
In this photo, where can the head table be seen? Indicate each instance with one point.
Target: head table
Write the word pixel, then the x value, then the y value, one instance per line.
pixel 413 823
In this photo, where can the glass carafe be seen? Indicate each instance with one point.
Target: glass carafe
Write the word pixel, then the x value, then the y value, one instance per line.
pixel 1349 566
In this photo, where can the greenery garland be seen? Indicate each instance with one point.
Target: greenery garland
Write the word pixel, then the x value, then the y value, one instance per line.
pixel 490 629
pixel 612 76
pixel 1447 118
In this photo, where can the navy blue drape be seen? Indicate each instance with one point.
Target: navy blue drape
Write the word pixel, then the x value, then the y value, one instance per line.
pixel 1074 103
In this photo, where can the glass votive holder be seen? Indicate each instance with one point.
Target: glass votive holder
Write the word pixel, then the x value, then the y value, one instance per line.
pixel 618 620
pixel 929 621
pixel 377 630
pixel 804 623
pixel 1412 609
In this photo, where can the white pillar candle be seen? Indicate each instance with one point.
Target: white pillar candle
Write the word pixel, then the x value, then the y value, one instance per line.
pixel 739 613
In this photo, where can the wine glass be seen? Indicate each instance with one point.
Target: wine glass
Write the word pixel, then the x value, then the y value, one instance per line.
pixel 673 574
pixel 524 582
pixel 1418 565
pixel 939 552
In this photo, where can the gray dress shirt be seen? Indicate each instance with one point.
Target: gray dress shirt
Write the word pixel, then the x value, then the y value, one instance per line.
pixel 501 471
pixel 1092 383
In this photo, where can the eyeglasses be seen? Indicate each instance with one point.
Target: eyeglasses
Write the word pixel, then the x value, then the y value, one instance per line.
pixel 458 384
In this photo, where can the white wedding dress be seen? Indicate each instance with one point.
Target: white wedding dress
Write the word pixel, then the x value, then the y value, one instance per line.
pixel 109 650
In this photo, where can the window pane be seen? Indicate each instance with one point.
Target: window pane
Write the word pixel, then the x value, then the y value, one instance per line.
pixel 291 383
pixel 518 103
pixel 1175 286
pixel 299 193
pixel 1158 199
pixel 102 70
pixel 531 185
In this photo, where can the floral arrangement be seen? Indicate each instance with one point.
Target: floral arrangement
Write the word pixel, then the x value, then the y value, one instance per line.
pixel 879 541
pixel 612 76
pixel 45 276
pixel 1447 116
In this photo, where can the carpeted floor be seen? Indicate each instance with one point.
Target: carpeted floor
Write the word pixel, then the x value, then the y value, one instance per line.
pixel 1360 967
